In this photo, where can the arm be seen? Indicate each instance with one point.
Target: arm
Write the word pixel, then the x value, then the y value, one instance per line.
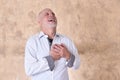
pixel 74 60
pixel 32 64
pixel 70 53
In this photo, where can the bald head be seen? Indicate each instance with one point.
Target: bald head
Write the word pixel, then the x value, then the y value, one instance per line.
pixel 43 11
pixel 40 15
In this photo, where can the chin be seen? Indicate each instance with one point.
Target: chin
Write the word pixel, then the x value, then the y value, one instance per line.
pixel 52 25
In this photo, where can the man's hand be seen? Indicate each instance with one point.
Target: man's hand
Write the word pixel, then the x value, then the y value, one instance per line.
pixel 54 52
pixel 64 52
pixel 60 50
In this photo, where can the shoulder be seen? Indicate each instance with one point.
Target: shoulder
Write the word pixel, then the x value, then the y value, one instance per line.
pixel 64 37
pixel 33 38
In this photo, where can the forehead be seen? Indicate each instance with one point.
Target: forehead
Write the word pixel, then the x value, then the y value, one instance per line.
pixel 46 11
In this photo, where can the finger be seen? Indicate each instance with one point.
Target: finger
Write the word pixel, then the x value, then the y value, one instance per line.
pixel 53 46
pixel 63 45
pixel 55 52
pixel 57 47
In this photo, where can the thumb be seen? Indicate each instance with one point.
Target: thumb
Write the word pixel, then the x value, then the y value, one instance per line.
pixel 63 45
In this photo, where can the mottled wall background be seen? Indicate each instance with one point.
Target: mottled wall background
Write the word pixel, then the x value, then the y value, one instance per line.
pixel 94 26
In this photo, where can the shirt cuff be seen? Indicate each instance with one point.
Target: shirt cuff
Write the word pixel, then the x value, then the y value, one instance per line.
pixel 70 62
pixel 50 62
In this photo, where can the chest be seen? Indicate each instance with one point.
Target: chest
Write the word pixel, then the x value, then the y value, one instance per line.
pixel 44 49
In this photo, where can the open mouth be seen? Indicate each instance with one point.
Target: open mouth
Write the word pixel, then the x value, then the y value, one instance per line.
pixel 51 20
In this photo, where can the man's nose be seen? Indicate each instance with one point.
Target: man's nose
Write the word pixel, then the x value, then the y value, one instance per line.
pixel 51 15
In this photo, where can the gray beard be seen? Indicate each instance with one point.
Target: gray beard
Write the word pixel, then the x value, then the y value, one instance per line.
pixel 50 25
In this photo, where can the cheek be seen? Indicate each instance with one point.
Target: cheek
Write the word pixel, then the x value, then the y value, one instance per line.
pixel 44 21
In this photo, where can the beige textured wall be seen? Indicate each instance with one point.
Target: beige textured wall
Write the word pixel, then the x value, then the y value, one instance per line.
pixel 92 24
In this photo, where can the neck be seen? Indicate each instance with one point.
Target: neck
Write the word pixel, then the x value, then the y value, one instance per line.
pixel 50 33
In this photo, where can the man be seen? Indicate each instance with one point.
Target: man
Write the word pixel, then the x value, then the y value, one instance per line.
pixel 48 54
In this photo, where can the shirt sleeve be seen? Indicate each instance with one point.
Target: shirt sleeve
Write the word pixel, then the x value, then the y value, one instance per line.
pixel 32 64
pixel 50 62
pixel 71 61
pixel 74 60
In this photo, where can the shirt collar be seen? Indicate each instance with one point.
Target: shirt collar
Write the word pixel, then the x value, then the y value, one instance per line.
pixel 41 34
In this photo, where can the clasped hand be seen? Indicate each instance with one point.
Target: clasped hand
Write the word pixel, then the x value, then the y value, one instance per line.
pixel 59 50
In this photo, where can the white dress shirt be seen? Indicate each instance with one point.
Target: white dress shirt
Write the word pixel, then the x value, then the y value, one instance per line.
pixel 37 66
